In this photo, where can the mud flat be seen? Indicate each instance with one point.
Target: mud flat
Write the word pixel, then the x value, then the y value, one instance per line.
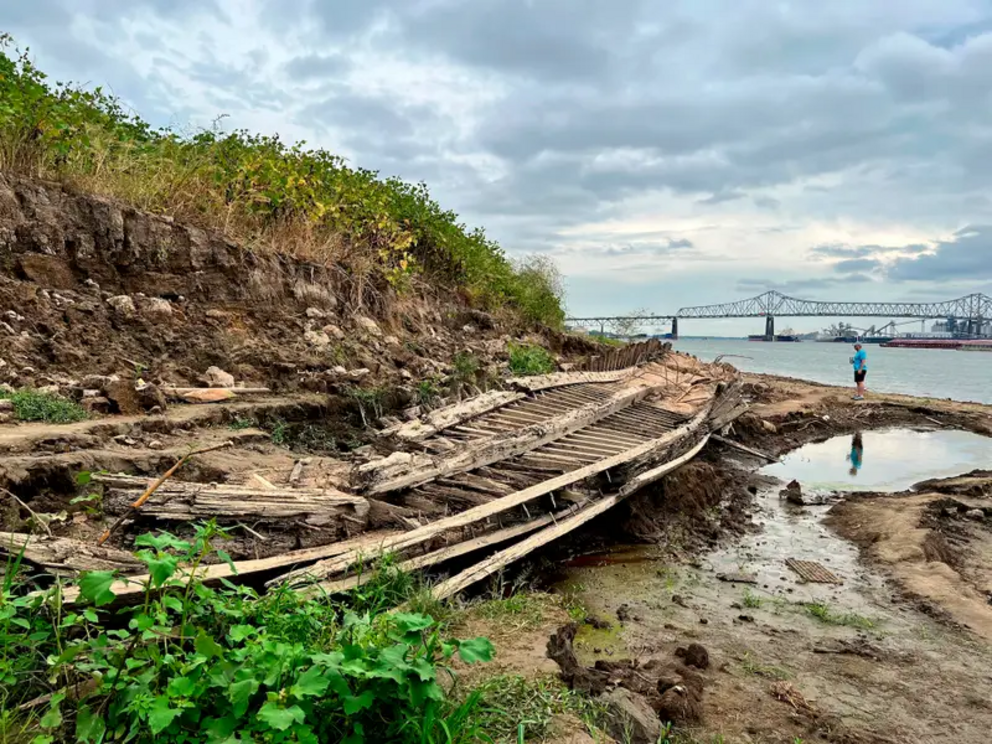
pixel 894 647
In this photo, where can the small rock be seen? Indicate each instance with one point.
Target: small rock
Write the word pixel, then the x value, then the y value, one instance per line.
pixel 124 305
pixel 123 397
pixel 703 621
pixel 49 389
pixel 156 308
pixel 769 427
pixel 317 338
pixel 412 413
pixel 406 374
pixel 6 405
pixel 358 374
pixel 392 340
pixel 315 313
pixel 333 331
pixel 155 445
pixel 630 717
pixel 150 398
pixel 90 394
pixel 597 623
pixel 91 284
pixel 679 600
pixel 216 377
pixel 745 618
pixel 469 328
pixel 217 314
pixel 339 370
pixel 368 325
pixel 623 613
pixel 793 493
pixel 6 388
pixel 6 418
pixel 125 440
pixel 98 382
pixel 977 514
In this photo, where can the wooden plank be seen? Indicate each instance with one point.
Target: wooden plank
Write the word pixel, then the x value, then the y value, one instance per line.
pixel 328 568
pixel 563 379
pixel 743 448
pixel 63 555
pixel 503 558
pixel 133 586
pixel 444 418
pixel 452 551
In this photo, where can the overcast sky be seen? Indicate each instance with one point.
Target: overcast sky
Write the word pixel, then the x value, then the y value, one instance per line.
pixel 664 153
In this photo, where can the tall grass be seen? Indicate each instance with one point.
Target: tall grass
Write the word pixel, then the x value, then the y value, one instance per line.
pixel 265 193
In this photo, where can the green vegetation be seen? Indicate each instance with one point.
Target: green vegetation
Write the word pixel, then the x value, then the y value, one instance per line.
pixel 752 666
pixel 192 663
pixel 519 610
pixel 823 613
pixel 262 192
pixel 369 402
pixel 751 601
pixel 31 405
pixel 530 360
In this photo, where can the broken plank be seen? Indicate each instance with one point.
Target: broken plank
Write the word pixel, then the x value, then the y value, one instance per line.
pixel 561 379
pixel 494 563
pixel 743 448
pixel 133 586
pixel 328 568
pixel 444 418
pixel 64 555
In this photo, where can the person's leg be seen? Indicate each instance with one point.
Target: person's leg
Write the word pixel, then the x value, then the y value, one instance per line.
pixel 861 384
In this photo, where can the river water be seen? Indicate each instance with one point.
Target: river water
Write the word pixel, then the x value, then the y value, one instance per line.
pixel 929 373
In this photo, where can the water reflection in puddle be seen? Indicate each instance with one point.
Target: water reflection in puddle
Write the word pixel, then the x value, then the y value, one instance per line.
pixel 886 460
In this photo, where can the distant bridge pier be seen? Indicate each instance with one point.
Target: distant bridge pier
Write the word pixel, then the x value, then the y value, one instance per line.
pixel 675 329
pixel 770 328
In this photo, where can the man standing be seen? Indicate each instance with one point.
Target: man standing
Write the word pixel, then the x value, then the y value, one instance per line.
pixel 860 363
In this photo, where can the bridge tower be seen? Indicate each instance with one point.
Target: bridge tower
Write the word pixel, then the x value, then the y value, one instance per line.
pixel 675 329
pixel 770 328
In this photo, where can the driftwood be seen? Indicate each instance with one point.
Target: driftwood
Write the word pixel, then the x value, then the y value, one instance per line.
pixel 131 587
pixel 495 562
pixel 445 418
pixel 62 555
pixel 155 486
pixel 743 448
pixel 328 568
pixel 187 501
pixel 388 474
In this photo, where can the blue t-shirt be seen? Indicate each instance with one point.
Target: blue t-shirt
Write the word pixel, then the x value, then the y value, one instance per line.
pixel 860 360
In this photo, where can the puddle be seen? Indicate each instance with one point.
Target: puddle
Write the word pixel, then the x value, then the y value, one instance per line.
pixel 887 460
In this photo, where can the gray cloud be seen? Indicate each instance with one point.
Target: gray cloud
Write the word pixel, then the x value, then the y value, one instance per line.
pixel 857 265
pixel 317 66
pixel 967 257
pixel 800 285
pixel 865 251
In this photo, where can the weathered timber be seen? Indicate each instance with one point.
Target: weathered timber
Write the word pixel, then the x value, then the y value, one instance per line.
pixel 132 587
pixel 453 551
pixel 743 448
pixel 496 448
pixel 186 501
pixel 326 569
pixel 65 556
pixel 444 418
pixel 563 379
pixel 504 557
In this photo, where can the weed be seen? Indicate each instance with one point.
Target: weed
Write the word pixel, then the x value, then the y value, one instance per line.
pixel 195 663
pixel 751 601
pixel 240 423
pixel 755 668
pixel 530 360
pixel 369 402
pixel 518 709
pixel 261 191
pixel 428 393
pixel 521 609
pixel 466 367
pixel 823 613
pixel 279 434
pixel 31 405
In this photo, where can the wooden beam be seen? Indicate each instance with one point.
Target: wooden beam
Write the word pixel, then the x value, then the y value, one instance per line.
pixel 63 555
pixel 746 450
pixel 328 568
pixel 503 558
pixel 444 418
pixel 562 379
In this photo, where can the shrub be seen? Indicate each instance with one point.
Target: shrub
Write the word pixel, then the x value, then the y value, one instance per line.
pixel 194 663
pixel 260 191
pixel 530 360
pixel 31 405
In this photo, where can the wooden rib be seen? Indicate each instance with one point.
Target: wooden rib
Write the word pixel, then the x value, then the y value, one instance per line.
pixel 453 551
pixel 449 416
pixel 492 564
pixel 562 379
pixel 587 435
pixel 133 586
pixel 340 563
pixel 502 447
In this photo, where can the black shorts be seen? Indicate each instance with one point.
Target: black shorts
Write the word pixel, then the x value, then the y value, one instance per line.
pixel 859 375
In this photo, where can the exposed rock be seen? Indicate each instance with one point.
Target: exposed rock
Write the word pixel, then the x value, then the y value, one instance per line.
pixel 208 396
pixel 155 445
pixel 216 377
pixel 680 704
pixel 98 404
pixel 98 382
pixel 392 340
pixel 358 374
pixel 123 397
pixel 123 305
pixel 339 370
pixel 368 325
pixel 156 308
pixel 315 313
pixel 769 427
pixel 333 331
pixel 630 717
pixel 317 338
pixel 623 613
pixel 50 389
pixel 793 493
pixel 6 405
pixel 150 397
pixel 217 314
pixel 977 514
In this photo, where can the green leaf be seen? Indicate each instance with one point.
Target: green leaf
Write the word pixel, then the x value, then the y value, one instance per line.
pixel 161 568
pixel 207 646
pixel 162 541
pixel 475 650
pixel 172 603
pixel 43 739
pixel 227 559
pixel 95 586
pixel 161 715
pixel 181 687
pixel 52 718
pixel 407 623
pixel 280 718
pixel 90 727
pixel 310 684
pixel 356 703
pixel 90 614
pixel 240 695
pixel 83 478
pixel 238 633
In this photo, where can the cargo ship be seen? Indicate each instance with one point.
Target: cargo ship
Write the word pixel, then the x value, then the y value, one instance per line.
pixel 940 343
pixel 784 337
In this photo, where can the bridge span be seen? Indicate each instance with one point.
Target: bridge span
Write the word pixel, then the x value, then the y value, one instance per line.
pixel 972 311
